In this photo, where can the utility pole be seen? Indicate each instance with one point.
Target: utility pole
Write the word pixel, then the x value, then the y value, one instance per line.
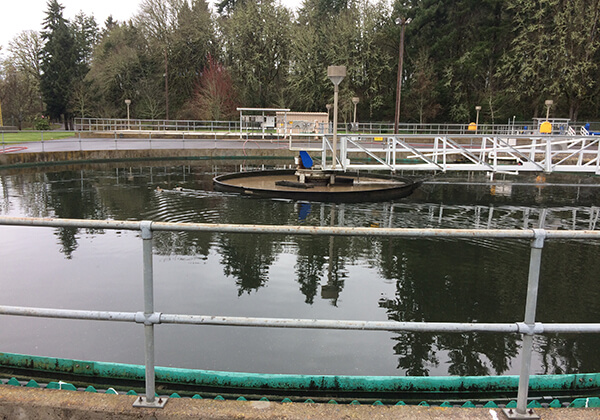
pixel 402 23
pixel 166 85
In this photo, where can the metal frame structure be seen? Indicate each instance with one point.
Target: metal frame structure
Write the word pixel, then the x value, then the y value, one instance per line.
pixel 149 317
pixel 497 154
pixel 262 112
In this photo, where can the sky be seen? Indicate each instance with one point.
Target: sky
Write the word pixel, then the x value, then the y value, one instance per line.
pixel 20 15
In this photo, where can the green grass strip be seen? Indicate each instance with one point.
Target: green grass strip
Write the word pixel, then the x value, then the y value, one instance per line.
pixel 33 136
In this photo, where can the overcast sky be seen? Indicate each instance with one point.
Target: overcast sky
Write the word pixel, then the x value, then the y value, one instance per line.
pixel 20 15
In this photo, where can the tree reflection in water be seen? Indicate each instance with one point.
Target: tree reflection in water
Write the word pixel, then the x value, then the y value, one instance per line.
pixel 247 258
pixel 436 282
pixel 432 280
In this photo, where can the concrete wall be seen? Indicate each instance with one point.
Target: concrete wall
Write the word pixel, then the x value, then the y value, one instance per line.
pixel 54 158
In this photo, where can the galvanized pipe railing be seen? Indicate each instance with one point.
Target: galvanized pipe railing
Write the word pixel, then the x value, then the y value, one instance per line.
pixel 391 326
pixel 135 124
pixel 149 317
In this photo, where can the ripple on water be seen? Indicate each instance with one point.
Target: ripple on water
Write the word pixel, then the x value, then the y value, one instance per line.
pixel 186 206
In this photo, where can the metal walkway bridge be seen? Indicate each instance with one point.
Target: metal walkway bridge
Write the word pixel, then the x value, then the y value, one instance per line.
pixel 513 153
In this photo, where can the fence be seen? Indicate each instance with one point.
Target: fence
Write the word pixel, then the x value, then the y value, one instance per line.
pixel 121 124
pixel 117 124
pixel 528 327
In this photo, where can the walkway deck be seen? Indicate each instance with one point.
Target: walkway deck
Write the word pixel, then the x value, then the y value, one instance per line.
pixel 28 403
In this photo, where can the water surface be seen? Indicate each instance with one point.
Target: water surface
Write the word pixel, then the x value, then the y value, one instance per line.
pixel 288 276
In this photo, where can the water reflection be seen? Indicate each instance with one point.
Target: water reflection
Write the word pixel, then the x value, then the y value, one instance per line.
pixel 247 258
pixel 480 280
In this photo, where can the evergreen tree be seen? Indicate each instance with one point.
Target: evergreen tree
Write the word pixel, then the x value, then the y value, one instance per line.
pixel 507 56
pixel 86 35
pixel 256 43
pixel 193 41
pixel 421 98
pixel 465 39
pixel 59 63
pixel 350 34
pixel 554 54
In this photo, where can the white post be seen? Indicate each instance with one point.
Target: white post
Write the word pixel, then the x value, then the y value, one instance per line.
pixel 335 123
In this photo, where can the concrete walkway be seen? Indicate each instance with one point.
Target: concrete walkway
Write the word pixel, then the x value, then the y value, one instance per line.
pixel 145 143
pixel 48 404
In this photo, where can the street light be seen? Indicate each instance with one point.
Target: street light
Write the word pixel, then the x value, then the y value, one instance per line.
pixel 403 23
pixel 477 108
pixel 328 106
pixel 128 102
pixel 336 74
pixel 546 126
pixel 355 101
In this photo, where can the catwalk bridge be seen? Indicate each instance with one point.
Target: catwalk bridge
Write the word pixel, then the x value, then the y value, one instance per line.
pixel 513 153
pixel 509 148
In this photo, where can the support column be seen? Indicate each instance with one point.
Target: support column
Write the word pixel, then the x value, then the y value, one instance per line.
pixel 535 260
pixel 149 400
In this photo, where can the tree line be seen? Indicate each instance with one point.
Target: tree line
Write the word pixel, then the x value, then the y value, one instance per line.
pixel 180 59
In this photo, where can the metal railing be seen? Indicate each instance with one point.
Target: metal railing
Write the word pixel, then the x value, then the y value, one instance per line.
pixel 118 124
pixel 122 124
pixel 149 318
pixel 508 154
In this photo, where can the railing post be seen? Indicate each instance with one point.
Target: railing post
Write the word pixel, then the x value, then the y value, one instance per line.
pixel 535 261
pixel 149 400
pixel 548 166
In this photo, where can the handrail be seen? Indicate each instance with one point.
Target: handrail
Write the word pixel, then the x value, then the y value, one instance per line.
pixel 468 152
pixel 529 327
pixel 375 127
pixel 298 230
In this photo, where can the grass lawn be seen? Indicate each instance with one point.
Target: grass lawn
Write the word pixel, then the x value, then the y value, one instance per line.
pixel 28 136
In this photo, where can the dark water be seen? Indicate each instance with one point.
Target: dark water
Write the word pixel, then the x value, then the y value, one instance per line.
pixel 366 278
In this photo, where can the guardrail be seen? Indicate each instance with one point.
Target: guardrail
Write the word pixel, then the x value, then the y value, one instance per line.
pixel 117 124
pixel 122 124
pixel 148 317
pixel 470 152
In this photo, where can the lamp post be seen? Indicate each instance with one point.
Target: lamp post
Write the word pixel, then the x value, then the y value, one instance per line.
pixel 477 108
pixel 328 106
pixel 336 74
pixel 548 103
pixel 128 102
pixel 355 101
pixel 402 23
